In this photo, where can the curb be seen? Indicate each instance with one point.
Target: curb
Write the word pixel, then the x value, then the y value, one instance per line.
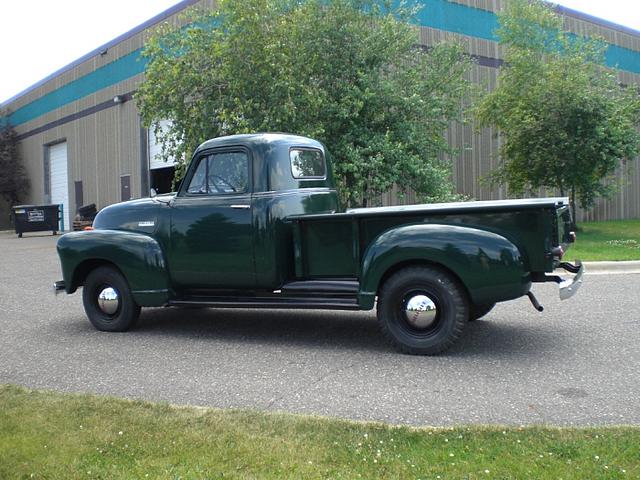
pixel 632 266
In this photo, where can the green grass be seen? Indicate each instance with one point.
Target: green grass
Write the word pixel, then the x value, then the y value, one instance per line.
pixel 63 436
pixel 614 240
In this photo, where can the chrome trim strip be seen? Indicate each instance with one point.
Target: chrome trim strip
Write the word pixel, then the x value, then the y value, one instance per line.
pixel 162 290
pixel 292 192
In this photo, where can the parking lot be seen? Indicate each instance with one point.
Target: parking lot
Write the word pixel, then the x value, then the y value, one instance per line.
pixel 574 364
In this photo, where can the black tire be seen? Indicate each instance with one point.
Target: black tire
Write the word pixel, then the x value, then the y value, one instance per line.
pixel 127 312
pixel 479 311
pixel 450 301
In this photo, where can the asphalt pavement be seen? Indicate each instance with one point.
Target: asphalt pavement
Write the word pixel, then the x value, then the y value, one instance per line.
pixel 577 363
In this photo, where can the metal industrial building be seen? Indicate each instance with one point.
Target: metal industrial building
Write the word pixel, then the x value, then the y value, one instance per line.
pixel 82 141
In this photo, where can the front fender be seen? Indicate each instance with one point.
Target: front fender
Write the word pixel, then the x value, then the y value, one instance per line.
pixel 139 257
pixel 490 267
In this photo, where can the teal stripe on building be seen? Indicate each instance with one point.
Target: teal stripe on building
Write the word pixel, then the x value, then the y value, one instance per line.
pixel 117 71
pixel 438 14
pixel 622 58
pixel 458 18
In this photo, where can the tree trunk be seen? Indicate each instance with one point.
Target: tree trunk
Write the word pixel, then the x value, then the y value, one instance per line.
pixel 573 209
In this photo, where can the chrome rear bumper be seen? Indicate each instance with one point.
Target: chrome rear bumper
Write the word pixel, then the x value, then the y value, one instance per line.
pixel 58 287
pixel 570 286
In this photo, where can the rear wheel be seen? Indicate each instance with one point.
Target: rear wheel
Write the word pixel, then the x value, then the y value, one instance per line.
pixel 479 311
pixel 422 310
pixel 108 301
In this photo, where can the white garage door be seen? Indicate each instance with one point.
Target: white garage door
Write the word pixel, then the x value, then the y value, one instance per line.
pixel 155 148
pixel 59 180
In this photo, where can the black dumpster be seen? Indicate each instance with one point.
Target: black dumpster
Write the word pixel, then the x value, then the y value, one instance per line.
pixel 36 218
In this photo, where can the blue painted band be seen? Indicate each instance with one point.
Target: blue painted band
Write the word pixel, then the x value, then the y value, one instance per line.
pixel 438 14
pixel 121 69
pixel 473 22
pixel 458 18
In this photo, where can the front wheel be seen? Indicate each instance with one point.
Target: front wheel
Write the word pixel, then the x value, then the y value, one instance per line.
pixel 422 310
pixel 108 301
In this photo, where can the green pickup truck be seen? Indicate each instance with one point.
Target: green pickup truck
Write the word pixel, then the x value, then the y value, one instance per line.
pixel 257 223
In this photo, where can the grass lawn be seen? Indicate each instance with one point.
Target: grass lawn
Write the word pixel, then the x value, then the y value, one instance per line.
pixel 614 240
pixel 63 436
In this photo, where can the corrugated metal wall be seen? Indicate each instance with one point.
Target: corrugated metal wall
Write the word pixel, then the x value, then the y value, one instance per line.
pixel 105 141
pixel 479 151
pixel 103 145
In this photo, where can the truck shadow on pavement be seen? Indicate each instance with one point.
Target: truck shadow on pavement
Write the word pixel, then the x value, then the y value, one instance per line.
pixel 301 328
pixel 489 338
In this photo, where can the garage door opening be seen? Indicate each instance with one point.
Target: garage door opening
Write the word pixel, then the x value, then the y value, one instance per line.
pixel 162 179
pixel 161 172
pixel 58 181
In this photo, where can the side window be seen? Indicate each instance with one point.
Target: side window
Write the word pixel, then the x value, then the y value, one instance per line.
pixel 221 173
pixel 198 182
pixel 228 172
pixel 307 163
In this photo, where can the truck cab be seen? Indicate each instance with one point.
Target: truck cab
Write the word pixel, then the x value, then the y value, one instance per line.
pixel 225 227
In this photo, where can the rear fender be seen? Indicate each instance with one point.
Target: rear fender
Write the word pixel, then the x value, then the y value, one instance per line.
pixel 139 257
pixel 489 266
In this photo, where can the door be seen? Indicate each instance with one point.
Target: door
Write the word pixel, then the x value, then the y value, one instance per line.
pixel 125 188
pixel 59 179
pixel 211 224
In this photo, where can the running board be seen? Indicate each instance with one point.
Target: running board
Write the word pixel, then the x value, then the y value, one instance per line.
pixel 269 302
pixel 327 288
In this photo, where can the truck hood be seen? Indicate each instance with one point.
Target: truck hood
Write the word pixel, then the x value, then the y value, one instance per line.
pixel 141 215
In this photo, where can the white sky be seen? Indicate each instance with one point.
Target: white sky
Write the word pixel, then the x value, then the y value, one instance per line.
pixel 622 12
pixel 38 37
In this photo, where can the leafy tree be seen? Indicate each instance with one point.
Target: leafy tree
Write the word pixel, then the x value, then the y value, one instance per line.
pixel 565 122
pixel 14 183
pixel 347 72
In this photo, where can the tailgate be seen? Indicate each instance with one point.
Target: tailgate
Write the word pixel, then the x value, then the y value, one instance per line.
pixel 565 234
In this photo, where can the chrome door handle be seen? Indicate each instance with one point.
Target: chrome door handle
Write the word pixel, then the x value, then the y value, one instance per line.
pixel 241 206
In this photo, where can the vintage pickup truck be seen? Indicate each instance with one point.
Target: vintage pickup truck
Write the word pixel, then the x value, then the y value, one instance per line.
pixel 257 223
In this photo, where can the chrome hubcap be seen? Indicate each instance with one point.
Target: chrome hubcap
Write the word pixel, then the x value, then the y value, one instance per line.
pixel 109 300
pixel 420 311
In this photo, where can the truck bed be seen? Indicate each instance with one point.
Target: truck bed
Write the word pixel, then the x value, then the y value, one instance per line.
pixel 334 244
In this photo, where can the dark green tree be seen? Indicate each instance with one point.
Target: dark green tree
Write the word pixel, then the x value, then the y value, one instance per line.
pixel 347 72
pixel 565 122
pixel 14 183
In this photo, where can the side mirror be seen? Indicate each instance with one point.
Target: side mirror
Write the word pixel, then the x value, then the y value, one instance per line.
pixel 153 193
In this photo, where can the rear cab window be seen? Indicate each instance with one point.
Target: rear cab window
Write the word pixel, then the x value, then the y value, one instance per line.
pixel 307 163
